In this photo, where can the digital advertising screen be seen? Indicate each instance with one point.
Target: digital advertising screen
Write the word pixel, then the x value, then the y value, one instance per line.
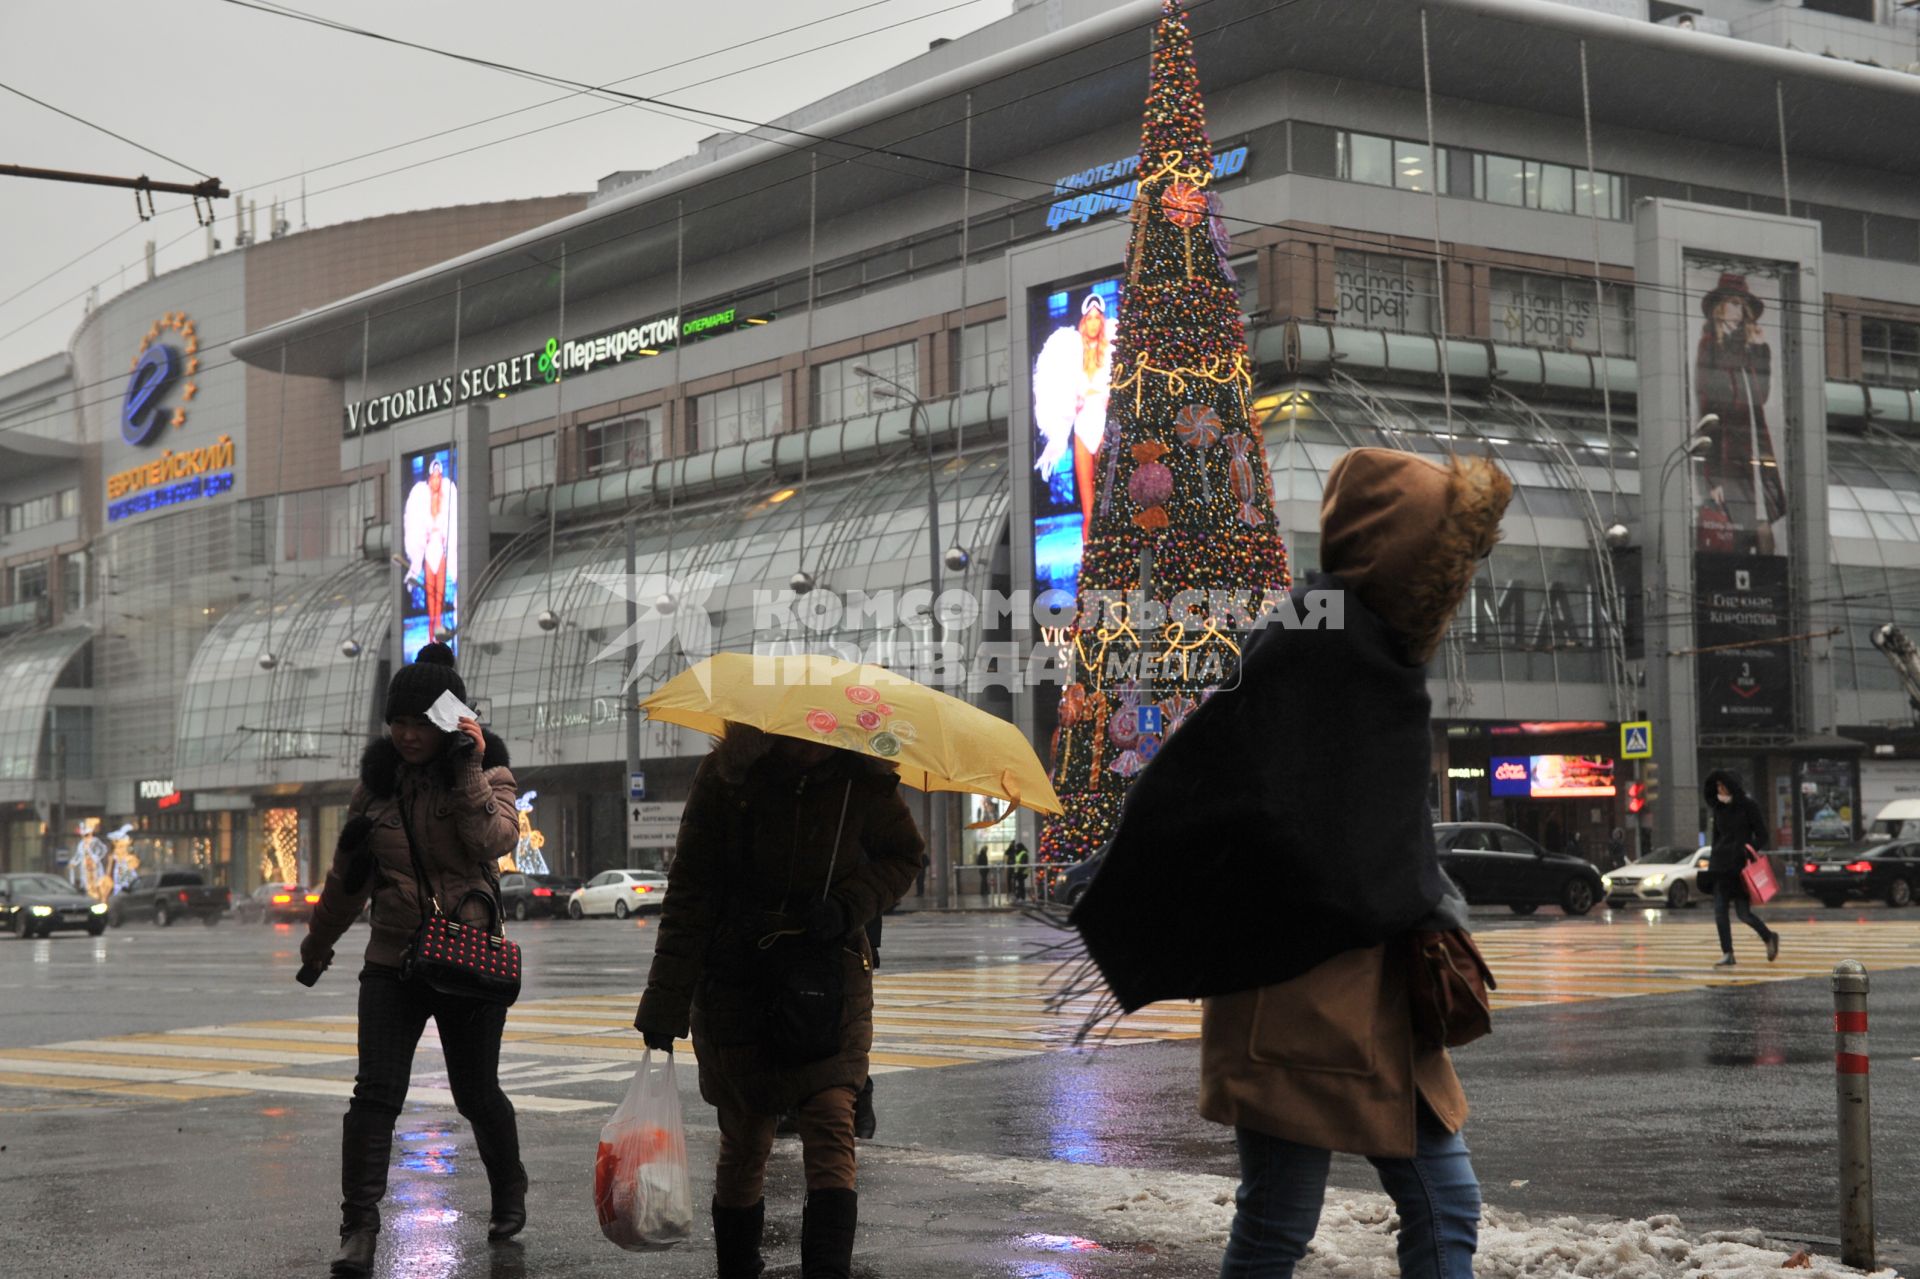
pixel 1551 776
pixel 430 541
pixel 1071 331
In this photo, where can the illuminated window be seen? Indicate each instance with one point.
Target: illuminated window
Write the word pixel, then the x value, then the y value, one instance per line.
pixel 280 850
pixel 622 443
pixel 751 411
pixel 1890 352
pixel 1390 162
pixel 839 392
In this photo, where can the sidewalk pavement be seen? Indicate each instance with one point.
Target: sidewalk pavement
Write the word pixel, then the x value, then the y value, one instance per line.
pixel 228 1189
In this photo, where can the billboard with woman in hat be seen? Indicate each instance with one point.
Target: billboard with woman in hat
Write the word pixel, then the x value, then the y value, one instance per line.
pixel 1741 503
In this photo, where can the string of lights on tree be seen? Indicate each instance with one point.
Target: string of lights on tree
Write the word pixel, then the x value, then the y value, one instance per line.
pixel 1184 498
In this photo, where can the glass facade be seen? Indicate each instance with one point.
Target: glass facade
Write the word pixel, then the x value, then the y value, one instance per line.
pixel 1890 352
pixel 309 714
pixel 1381 291
pixel 526 464
pixel 750 411
pixel 1539 611
pixel 840 393
pixel 34 663
pixel 727 561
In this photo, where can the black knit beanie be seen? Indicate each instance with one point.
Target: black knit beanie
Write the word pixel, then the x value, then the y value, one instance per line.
pixel 417 686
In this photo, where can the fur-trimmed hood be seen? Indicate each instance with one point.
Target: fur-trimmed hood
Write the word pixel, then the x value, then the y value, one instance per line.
pixel 743 746
pixel 380 763
pixel 1407 535
pixel 1710 787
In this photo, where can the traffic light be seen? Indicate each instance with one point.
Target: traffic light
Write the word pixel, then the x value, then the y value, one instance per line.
pixel 1650 776
pixel 1636 797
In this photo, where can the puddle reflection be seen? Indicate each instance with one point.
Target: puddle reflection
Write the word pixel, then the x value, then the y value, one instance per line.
pixel 425 1230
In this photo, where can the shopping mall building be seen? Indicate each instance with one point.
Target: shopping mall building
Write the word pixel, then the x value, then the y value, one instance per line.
pixel 643 414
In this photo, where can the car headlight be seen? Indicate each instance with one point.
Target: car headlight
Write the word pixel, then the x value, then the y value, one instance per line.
pixel 1606 881
pixel 40 910
pixel 98 908
pixel 1654 881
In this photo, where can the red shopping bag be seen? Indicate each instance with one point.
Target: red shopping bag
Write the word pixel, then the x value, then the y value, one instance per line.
pixel 1758 876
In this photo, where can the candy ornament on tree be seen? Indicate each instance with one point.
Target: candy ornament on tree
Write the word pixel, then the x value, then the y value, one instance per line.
pixel 1178 400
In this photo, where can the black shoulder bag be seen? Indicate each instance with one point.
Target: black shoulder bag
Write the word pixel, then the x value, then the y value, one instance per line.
pixel 803 983
pixel 455 958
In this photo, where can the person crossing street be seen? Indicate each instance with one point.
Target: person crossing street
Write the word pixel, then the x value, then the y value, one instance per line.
pixel 1739 833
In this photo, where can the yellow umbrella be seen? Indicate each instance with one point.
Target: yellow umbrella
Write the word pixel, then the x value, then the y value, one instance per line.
pixel 939 742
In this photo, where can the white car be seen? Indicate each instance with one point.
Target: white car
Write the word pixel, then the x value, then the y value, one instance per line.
pixel 1669 877
pixel 619 893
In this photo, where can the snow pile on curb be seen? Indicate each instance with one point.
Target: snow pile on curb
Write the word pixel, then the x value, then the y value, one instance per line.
pixel 1176 1212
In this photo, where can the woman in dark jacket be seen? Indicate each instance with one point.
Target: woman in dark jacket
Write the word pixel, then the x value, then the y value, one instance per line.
pixel 783 844
pixel 1739 832
pixel 454 793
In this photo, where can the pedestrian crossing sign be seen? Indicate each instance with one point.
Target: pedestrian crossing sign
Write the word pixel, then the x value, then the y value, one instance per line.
pixel 1636 739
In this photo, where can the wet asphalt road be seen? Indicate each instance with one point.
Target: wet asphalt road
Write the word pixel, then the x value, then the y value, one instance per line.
pixel 1713 1104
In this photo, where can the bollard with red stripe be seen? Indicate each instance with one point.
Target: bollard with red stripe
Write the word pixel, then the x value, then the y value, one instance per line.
pixel 1856 1114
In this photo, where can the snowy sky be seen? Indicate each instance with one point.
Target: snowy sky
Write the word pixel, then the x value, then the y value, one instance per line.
pixel 256 99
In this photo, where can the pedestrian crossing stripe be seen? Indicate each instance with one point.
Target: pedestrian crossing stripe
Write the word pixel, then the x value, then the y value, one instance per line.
pixel 925 1020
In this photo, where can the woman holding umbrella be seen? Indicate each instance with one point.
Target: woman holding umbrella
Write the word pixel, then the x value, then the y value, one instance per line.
pixel 788 847
pixel 795 836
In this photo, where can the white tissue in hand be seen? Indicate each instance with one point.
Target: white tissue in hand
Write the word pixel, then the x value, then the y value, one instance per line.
pixel 447 711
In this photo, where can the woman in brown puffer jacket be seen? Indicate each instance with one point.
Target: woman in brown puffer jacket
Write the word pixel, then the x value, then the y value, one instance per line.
pixel 784 844
pixel 455 793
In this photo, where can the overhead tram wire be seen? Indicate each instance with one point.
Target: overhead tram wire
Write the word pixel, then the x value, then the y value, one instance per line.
pixel 1785 305
pixel 101 128
pixel 1049 88
pixel 473 124
pixel 865 152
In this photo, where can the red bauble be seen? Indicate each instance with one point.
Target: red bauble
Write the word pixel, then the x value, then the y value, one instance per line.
pixel 1183 203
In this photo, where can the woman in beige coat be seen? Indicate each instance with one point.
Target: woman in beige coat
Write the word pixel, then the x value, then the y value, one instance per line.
pixel 1327 1061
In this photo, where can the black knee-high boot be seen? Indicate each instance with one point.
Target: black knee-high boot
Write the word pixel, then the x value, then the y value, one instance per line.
pixel 366 1149
pixel 826 1234
pixel 736 1240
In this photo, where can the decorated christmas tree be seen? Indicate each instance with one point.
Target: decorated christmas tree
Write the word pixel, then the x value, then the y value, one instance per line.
pixel 1183 518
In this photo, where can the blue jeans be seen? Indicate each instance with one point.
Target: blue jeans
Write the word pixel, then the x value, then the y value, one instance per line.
pixel 1282 1184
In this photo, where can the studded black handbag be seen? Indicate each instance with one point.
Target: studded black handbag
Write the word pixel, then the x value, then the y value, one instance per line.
pixel 457 958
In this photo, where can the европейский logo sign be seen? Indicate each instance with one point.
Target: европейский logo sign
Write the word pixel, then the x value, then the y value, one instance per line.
pixel 149 404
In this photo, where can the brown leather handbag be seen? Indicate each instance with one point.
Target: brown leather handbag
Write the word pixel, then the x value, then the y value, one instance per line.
pixel 1447 985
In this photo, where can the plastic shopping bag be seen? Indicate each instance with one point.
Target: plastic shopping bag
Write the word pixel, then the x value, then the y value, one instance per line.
pixel 1758 874
pixel 641 1190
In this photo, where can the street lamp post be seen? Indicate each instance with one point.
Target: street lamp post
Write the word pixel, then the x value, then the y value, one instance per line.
pixel 1661 601
pixel 892 390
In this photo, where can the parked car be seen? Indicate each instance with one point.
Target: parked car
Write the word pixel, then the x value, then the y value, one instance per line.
pixel 619 893
pixel 276 904
pixel 38 904
pixel 1889 871
pixel 1498 866
pixel 1666 876
pixel 169 893
pixel 531 896
pixel 1073 883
